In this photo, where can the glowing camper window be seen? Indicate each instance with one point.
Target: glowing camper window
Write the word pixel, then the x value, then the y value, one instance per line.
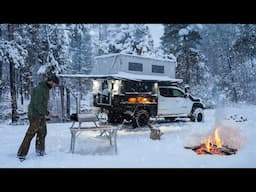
pixel 135 67
pixel 157 69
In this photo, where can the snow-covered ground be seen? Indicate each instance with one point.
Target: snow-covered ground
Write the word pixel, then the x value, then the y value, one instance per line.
pixel 136 149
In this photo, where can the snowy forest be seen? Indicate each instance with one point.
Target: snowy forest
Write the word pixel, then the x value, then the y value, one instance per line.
pixel 217 61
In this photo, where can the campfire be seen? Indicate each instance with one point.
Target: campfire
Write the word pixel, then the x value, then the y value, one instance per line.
pixel 213 145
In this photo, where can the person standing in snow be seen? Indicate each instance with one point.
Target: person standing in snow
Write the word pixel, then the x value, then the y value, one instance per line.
pixel 37 112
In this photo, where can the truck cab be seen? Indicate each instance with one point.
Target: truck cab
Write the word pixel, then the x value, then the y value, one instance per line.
pixel 174 102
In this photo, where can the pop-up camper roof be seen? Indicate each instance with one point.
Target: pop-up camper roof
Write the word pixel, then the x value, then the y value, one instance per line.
pixel 132 67
pixel 134 64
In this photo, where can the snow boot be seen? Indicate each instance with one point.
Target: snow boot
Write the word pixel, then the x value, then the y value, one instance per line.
pixel 21 158
pixel 40 153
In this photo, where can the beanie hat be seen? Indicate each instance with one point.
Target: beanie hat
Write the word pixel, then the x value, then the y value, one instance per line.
pixel 53 78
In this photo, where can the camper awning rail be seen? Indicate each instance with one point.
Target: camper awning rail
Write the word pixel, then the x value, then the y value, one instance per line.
pixel 124 76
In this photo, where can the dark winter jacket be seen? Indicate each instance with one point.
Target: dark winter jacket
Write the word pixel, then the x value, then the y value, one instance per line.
pixel 39 100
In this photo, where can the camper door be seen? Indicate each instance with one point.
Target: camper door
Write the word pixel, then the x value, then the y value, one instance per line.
pixel 104 92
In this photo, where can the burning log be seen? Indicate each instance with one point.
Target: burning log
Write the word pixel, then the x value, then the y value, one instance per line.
pixel 201 149
pixel 213 145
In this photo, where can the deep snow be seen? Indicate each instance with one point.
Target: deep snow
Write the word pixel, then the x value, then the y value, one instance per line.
pixel 136 149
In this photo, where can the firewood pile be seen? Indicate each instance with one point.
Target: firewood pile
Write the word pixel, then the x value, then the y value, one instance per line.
pixel 214 150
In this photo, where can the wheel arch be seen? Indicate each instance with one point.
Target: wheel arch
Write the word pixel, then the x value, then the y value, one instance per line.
pixel 195 106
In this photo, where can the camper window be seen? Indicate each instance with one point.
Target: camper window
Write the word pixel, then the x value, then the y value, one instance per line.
pixel 157 69
pixel 135 67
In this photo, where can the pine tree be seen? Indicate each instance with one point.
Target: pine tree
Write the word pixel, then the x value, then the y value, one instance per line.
pixel 171 40
pixel 244 52
pixel 217 46
pixel 81 49
pixel 81 55
pixel 1 65
pixel 23 38
pixel 127 38
pixel 15 56
pixel 182 40
pixel 245 43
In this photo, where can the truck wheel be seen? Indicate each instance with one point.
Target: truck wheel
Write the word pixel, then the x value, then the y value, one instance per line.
pixel 115 117
pixel 141 118
pixel 197 115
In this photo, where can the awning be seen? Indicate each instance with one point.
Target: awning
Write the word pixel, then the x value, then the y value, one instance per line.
pixel 139 77
pixel 124 76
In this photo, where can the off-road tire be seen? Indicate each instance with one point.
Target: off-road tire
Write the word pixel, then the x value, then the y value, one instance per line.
pixel 141 118
pixel 197 115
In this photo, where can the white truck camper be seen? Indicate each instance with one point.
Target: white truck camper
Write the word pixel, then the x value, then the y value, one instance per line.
pixel 136 88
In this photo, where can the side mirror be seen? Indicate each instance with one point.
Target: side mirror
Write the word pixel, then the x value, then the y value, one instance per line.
pixel 186 89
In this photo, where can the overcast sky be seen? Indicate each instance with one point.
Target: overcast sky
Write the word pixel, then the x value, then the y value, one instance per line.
pixel 156 31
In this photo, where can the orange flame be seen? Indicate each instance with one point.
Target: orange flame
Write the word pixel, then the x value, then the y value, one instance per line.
pixel 212 144
pixel 213 140
pixel 218 141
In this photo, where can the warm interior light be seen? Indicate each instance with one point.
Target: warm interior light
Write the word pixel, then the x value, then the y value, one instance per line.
pixel 132 100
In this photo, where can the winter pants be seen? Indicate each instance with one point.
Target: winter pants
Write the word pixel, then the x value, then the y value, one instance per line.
pixel 37 127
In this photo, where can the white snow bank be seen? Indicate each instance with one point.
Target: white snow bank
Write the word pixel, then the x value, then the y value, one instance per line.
pixel 135 148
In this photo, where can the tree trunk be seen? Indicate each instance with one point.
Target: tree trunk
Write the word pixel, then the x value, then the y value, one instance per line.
pixel 13 92
pixel 62 103
pixel 12 78
pixel 21 88
pixel 68 102
pixel 187 68
pixel 1 78
pixel 1 70
pixel 232 79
